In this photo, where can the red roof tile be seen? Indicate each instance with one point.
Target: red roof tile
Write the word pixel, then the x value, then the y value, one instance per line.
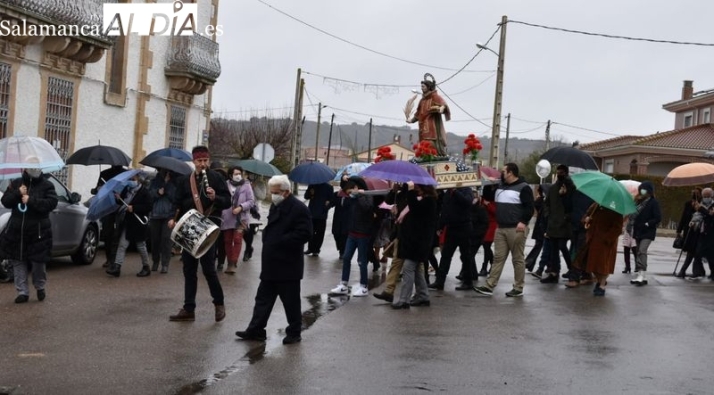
pixel 609 143
pixel 698 137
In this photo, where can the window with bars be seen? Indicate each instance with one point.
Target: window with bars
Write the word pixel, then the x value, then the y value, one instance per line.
pixel 177 127
pixel 58 118
pixel 5 77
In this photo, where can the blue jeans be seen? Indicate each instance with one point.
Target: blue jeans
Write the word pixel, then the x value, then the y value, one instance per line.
pixel 362 245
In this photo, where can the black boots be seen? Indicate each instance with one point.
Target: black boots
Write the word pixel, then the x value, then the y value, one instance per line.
pixel 144 271
pixel 114 270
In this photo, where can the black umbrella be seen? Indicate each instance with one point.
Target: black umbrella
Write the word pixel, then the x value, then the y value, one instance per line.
pixel 570 156
pixel 168 163
pixel 99 155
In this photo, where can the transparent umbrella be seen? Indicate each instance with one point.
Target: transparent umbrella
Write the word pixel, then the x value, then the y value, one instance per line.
pixel 27 152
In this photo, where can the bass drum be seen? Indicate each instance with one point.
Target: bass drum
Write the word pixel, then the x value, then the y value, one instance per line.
pixel 195 233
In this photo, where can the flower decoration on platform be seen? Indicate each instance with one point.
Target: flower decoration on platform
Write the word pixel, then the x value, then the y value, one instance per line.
pixel 384 153
pixel 425 151
pixel 473 146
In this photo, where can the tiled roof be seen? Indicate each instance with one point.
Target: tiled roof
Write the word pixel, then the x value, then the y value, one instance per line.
pixel 609 143
pixel 698 137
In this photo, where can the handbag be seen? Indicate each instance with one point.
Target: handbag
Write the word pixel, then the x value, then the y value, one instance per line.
pixel 678 242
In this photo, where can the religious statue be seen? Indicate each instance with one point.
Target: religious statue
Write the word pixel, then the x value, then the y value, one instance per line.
pixel 428 113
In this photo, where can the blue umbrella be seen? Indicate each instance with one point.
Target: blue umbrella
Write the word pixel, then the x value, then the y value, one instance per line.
pixel 311 173
pixel 179 154
pixel 399 171
pixel 351 170
pixel 104 203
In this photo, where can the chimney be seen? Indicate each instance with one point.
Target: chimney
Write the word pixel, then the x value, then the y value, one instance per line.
pixel 687 90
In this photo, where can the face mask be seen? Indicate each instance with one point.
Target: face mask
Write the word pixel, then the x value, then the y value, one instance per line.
pixel 132 184
pixel 561 178
pixel 277 198
pixel 643 192
pixel 237 178
pixel 503 178
pixel 707 201
pixel 34 173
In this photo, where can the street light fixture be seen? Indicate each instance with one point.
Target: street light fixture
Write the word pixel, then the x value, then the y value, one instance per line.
pixel 496 129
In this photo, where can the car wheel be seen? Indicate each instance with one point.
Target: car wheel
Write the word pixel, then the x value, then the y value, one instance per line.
pixel 87 248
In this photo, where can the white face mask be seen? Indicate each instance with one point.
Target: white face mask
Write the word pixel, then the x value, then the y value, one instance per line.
pixel 34 173
pixel 237 178
pixel 277 198
pixel 643 192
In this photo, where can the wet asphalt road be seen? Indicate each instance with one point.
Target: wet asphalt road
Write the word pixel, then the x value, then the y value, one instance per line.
pixel 99 335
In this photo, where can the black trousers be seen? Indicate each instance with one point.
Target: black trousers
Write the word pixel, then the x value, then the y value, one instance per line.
pixel 268 292
pixel 340 242
pixel 318 235
pixel 558 246
pixel 534 253
pixel 456 237
pixel 220 249
pixel 111 236
pixel 248 237
pixel 190 274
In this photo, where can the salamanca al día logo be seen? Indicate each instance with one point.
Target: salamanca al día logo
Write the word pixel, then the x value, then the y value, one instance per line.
pixel 164 19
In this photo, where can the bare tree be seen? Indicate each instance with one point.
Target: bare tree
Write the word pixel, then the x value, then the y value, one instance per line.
pixel 236 138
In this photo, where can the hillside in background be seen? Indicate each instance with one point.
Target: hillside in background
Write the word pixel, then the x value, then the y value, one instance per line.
pixel 356 137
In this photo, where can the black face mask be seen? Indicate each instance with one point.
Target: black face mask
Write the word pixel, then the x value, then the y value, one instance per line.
pixel 503 178
pixel 561 177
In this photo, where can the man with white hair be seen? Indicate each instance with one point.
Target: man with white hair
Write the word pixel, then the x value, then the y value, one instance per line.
pixel 282 261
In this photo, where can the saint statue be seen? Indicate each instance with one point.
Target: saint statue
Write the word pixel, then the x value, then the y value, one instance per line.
pixel 428 114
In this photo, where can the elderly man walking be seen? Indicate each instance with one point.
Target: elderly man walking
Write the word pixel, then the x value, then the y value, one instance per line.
pixel 289 228
pixel 514 209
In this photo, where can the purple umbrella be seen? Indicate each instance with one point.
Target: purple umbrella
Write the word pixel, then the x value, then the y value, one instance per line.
pixel 399 171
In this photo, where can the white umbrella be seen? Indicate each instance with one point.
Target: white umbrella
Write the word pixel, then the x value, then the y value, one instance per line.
pixel 26 152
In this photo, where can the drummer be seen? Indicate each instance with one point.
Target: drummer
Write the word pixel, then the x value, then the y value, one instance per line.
pixel 205 191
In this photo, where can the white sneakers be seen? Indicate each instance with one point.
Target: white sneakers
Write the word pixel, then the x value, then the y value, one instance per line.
pixel 359 291
pixel 340 289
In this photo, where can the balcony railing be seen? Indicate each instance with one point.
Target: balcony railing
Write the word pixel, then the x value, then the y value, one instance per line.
pixel 63 12
pixel 195 57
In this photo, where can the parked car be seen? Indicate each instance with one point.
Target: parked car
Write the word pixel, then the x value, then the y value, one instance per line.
pixel 72 234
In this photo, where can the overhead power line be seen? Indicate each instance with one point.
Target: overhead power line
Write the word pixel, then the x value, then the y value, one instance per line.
pixel 472 58
pixel 465 112
pixel 585 129
pixel 358 45
pixel 613 36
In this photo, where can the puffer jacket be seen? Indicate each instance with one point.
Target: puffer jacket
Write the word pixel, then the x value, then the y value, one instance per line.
pixel 28 236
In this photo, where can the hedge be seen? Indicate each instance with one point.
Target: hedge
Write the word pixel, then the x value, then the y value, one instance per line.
pixel 671 199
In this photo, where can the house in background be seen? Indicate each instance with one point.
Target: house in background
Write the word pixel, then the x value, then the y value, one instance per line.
pixel 339 156
pixel 136 93
pixel 657 154
pixel 400 152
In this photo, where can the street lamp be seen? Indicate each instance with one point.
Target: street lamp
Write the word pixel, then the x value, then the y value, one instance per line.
pixel 496 129
pixel 317 132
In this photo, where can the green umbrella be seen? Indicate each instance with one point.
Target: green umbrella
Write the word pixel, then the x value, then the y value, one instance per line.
pixel 258 167
pixel 605 191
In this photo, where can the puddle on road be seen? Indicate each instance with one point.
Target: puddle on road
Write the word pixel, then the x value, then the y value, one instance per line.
pixel 321 305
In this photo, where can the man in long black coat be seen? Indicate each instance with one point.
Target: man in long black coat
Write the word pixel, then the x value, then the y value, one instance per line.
pixel 289 228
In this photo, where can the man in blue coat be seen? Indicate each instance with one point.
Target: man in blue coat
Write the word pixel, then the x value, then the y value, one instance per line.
pixel 289 228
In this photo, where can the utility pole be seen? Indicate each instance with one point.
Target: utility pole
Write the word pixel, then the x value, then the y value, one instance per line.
pixel 496 131
pixel 369 143
pixel 317 132
pixel 298 135
pixel 508 130
pixel 296 117
pixel 547 136
pixel 329 140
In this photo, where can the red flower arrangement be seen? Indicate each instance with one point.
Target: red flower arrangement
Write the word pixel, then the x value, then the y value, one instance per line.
pixel 384 153
pixel 425 150
pixel 473 146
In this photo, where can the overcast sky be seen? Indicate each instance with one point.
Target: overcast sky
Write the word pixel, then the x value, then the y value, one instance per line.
pixel 616 87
